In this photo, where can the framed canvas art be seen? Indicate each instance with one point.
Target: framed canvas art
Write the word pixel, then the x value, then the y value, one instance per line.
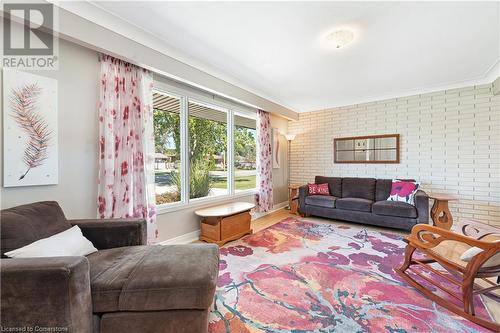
pixel 276 148
pixel 30 153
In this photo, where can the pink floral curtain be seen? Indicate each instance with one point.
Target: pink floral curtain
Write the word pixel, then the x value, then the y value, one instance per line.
pixel 264 198
pixel 126 163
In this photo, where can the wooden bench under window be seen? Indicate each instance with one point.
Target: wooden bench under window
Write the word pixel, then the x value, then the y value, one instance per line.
pixel 224 223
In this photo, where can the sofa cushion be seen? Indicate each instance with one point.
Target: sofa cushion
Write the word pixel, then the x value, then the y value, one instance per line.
pixel 321 201
pixel 23 225
pixel 363 205
pixel 153 278
pixel 383 189
pixel 394 208
pixel 334 184
pixel 363 188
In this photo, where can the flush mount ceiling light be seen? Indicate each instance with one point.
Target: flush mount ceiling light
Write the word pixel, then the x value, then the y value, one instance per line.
pixel 340 38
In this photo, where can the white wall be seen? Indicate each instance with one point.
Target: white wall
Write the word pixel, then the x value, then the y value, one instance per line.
pixel 78 131
pixel 450 142
pixel 78 149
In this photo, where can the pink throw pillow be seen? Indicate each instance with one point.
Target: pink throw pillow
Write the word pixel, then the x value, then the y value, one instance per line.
pixel 403 191
pixel 318 189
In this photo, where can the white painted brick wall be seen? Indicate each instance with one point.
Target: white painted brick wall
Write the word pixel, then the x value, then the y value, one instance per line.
pixel 450 142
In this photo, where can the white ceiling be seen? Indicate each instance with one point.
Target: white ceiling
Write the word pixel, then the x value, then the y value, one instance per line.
pixel 276 49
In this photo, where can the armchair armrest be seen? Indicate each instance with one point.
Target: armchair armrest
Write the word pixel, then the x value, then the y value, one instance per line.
pixel 110 233
pixel 422 205
pixel 477 230
pixel 303 193
pixel 46 292
pixel 426 237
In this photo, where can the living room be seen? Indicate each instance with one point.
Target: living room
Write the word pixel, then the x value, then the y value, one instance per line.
pixel 250 166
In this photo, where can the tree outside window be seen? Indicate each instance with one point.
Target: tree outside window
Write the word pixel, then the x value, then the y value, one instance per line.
pixel 245 151
pixel 207 150
pixel 166 115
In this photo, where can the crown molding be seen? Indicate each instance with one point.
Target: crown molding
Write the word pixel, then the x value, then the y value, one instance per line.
pixel 491 74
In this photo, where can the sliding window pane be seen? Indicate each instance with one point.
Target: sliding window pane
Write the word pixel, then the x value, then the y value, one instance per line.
pixel 166 111
pixel 244 152
pixel 207 151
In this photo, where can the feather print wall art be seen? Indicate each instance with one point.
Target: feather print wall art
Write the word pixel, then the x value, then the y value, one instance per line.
pixel 30 129
pixel 23 103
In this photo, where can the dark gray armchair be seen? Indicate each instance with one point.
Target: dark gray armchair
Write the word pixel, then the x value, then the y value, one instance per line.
pixel 125 286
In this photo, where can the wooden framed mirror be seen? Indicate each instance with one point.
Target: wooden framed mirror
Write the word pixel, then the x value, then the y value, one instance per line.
pixel 367 149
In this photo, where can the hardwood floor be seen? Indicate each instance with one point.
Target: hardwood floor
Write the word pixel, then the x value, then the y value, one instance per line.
pixel 270 219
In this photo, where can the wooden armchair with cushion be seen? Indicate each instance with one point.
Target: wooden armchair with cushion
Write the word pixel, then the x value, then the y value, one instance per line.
pixel 473 264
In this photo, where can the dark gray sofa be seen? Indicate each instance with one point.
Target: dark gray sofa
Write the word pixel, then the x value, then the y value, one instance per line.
pixel 127 286
pixel 363 200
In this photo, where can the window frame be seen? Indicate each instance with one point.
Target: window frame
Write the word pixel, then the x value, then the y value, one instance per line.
pixel 250 115
pixel 229 142
pixel 182 101
pixel 186 95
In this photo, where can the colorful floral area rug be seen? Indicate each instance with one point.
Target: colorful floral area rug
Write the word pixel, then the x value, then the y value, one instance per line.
pixel 303 276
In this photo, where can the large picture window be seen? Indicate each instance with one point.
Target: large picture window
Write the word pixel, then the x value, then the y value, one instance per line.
pixel 245 152
pixel 208 162
pixel 167 121
pixel 203 150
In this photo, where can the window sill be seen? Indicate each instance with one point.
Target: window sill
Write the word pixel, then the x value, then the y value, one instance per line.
pixel 207 201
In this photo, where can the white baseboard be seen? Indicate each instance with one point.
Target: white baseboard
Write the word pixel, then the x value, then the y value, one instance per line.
pixel 183 239
pixel 195 235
